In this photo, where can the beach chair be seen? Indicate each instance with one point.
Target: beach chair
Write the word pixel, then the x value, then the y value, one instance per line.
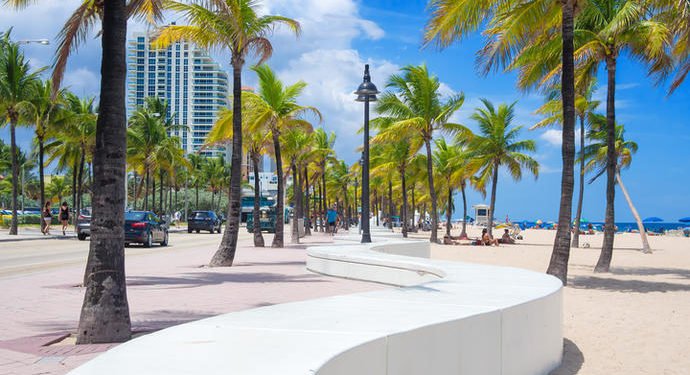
pixel 515 231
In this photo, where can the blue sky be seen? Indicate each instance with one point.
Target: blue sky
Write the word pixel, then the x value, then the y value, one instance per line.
pixel 339 36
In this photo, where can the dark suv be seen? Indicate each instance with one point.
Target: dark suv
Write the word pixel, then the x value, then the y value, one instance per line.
pixel 204 220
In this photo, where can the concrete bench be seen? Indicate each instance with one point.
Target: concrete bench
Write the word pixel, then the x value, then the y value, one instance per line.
pixel 447 318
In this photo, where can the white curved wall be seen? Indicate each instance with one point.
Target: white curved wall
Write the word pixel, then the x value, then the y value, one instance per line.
pixel 452 318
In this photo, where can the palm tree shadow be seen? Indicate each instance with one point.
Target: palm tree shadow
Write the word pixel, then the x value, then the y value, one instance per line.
pixel 617 285
pixel 572 360
pixel 651 271
pixel 199 279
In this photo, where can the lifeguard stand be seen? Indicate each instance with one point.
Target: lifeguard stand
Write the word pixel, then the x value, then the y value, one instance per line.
pixel 481 214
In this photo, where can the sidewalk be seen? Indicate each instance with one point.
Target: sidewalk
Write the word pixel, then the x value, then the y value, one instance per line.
pixel 164 289
pixel 32 234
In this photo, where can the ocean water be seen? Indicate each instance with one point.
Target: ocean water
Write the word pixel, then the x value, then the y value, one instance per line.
pixel 622 226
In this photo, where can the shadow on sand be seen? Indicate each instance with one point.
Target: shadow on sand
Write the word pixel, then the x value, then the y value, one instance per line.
pixel 617 285
pixel 572 359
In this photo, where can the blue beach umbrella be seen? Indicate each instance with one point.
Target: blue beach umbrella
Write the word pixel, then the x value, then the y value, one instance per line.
pixel 653 219
pixel 684 220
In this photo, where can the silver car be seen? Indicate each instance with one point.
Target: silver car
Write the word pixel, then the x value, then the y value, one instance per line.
pixel 84 224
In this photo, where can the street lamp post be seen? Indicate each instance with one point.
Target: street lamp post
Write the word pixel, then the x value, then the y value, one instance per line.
pixel 366 92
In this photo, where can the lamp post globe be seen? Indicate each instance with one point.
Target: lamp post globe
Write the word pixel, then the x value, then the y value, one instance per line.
pixel 366 92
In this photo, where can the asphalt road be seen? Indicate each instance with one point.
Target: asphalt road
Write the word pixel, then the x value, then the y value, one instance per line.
pixel 25 257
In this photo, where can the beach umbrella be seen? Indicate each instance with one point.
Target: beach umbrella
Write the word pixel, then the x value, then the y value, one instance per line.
pixel 653 219
pixel 685 220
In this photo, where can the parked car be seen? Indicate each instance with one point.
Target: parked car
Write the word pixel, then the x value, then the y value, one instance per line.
pixel 204 220
pixel 84 224
pixel 145 227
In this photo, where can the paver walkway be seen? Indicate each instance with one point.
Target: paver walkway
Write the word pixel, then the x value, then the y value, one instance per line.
pixel 164 289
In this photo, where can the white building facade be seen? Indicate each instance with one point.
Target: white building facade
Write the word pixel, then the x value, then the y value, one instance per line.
pixel 188 78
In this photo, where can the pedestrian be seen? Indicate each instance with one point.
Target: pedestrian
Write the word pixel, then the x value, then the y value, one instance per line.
pixel 47 218
pixel 331 217
pixel 64 216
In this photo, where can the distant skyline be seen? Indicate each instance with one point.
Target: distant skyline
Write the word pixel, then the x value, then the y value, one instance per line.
pixel 340 36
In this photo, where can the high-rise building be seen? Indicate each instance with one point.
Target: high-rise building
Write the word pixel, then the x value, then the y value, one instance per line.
pixel 192 83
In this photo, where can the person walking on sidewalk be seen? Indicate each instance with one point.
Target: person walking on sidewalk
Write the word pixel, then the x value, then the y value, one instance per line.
pixel 332 217
pixel 64 216
pixel 47 217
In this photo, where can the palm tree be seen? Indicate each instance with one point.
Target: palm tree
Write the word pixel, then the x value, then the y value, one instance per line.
pixel 81 23
pixel 43 110
pixel 257 141
pixel 58 188
pixel 275 106
pixel 296 143
pixel 415 105
pixel 596 154
pixel 451 162
pixel 17 84
pixel 323 148
pixel 99 321
pixel 584 109
pixel 605 30
pixel 233 25
pixel 196 161
pixel 675 14
pixel 497 145
pixel 514 25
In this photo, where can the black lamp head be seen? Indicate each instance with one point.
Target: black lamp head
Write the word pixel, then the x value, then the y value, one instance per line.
pixel 366 88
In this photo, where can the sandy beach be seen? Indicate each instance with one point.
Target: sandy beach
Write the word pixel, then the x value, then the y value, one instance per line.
pixel 634 320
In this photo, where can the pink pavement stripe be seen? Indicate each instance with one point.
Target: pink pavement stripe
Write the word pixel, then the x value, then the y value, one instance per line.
pixel 164 289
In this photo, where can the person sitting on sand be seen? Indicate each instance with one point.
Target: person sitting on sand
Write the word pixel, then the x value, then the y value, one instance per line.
pixel 506 239
pixel 448 240
pixel 590 228
pixel 487 240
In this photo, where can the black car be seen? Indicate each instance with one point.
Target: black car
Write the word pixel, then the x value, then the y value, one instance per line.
pixel 204 220
pixel 146 228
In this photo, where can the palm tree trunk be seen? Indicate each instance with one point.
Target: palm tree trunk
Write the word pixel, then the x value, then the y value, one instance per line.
pixel 449 211
pixel 15 174
pixel 390 204
pixel 414 210
pixel 325 201
pixel 581 193
pixel 492 206
pixel 153 192
pixel 432 192
pixel 146 193
pixel 160 193
pixel 558 265
pixel 403 211
pixel 196 188
pixel 258 238
pixel 105 312
pixel 278 239
pixel 604 262
pixel 463 234
pixel 80 184
pixel 41 177
pixel 307 230
pixel 296 197
pixel 226 250
pixel 74 195
pixel 643 233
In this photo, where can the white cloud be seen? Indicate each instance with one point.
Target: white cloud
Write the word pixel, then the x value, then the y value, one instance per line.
pixel 552 136
pixel 332 76
pixel 82 81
